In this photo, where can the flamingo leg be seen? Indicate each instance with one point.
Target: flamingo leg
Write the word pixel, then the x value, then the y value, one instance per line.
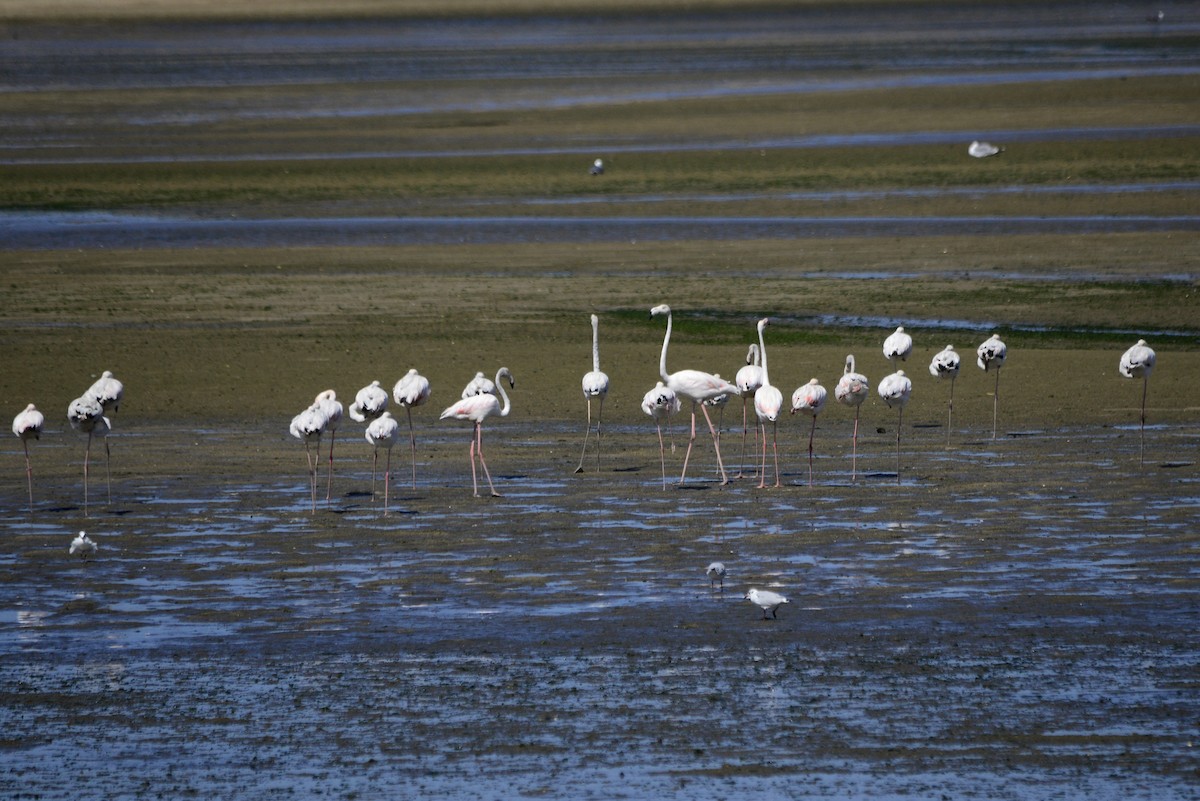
pixel 1142 435
pixel 108 469
pixel 586 432
pixel 28 474
pixel 479 452
pixel 742 458
pixel 854 448
pixel 599 420
pixel 761 443
pixel 716 442
pixel 374 470
pixel 996 403
pixel 811 432
pixel 898 425
pixel 412 441
pixel 950 417
pixel 774 448
pixel 312 472
pixel 691 440
pixel 662 454
pixel 87 452
pixel 387 481
pixel 329 475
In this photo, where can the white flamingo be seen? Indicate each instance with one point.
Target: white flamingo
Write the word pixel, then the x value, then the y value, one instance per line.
pixel 748 380
pixel 810 399
pixel 369 402
pixel 895 390
pixel 768 401
pixel 696 386
pixel 898 346
pixel 308 427
pixel 595 385
pixel 479 385
pixel 661 403
pixel 383 431
pixel 28 425
pixel 83 545
pixel 1138 362
pixel 945 364
pixel 478 408
pixel 107 391
pixel 982 150
pixel 766 600
pixel 851 390
pixel 332 407
pixel 87 415
pixel 412 390
pixel 990 356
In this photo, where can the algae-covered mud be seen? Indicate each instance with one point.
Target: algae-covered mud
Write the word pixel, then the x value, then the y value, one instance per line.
pixel 233 214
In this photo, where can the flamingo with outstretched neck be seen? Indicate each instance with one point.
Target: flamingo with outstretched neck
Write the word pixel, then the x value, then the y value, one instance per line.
pixel 478 408
pixel 595 385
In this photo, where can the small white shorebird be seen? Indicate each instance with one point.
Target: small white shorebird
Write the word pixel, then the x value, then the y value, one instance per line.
pixel 83 545
pixel 28 425
pixel 897 346
pixel 716 574
pixel 597 167
pixel 982 150
pixel 991 355
pixel 766 600
pixel 1138 362
pixel 945 364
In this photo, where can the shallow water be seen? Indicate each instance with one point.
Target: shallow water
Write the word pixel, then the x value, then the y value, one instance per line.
pixel 1016 620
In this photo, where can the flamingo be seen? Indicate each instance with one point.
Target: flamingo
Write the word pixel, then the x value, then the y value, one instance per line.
pixel 810 399
pixel 895 390
pixel 697 386
pixel 332 407
pixel 1138 362
pixel 991 355
pixel 982 150
pixel 595 385
pixel 107 391
pixel 852 389
pixel 411 390
pixel 748 380
pixel 945 365
pixel 478 408
pixel 898 345
pixel 308 426
pixel 661 403
pixel 87 415
pixel 716 573
pixel 766 600
pixel 768 401
pixel 383 430
pixel 479 385
pixel 719 403
pixel 28 425
pixel 83 545
pixel 369 402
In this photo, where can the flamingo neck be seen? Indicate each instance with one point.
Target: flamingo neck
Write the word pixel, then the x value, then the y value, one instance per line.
pixel 504 410
pixel 762 353
pixel 662 361
pixel 595 345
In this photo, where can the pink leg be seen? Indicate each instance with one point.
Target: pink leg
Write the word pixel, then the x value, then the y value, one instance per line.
pixel 28 474
pixel 387 481
pixel 742 459
pixel 716 443
pixel 479 450
pixel 854 448
pixel 762 443
pixel 811 432
pixel 412 441
pixel 87 453
pixel 329 475
pixel 662 454
pixel 774 449
pixel 691 440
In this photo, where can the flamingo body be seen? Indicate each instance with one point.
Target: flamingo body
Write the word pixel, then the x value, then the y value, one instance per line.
pixel 898 346
pixel 369 402
pixel 479 385
pixel 107 391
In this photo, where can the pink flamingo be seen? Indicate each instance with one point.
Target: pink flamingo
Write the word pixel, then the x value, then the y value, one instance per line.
pixel 810 399
pixel 851 390
pixel 768 400
pixel 28 425
pixel 478 408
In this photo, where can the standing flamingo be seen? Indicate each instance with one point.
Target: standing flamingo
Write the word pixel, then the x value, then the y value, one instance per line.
pixel 1138 362
pixel 383 430
pixel 107 391
pixel 697 387
pixel 661 403
pixel 369 402
pixel 895 389
pixel 852 389
pixel 28 425
pixel 479 385
pixel 748 380
pixel 308 426
pixel 898 345
pixel 332 407
pixel 478 408
pixel 768 400
pixel 411 390
pixel 945 365
pixel 991 355
pixel 595 385
pixel 87 415
pixel 810 399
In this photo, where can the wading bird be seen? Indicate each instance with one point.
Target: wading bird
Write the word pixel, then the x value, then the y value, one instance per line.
pixel 383 431
pixel 308 426
pixel 28 425
pixel 107 391
pixel 597 167
pixel 852 389
pixel 748 380
pixel 369 402
pixel 990 356
pixel 697 387
pixel 810 399
pixel 329 404
pixel 768 400
pixel 478 408
pixel 595 385
pixel 661 403
pixel 895 390
pixel 1138 362
pixel 412 390
pixel 716 574
pixel 897 346
pixel 982 150
pixel 766 601
pixel 83 545
pixel 87 415
pixel 945 364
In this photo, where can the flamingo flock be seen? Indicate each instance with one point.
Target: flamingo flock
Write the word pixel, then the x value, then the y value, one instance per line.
pixel 483 398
